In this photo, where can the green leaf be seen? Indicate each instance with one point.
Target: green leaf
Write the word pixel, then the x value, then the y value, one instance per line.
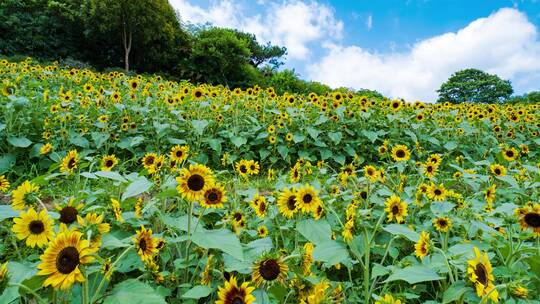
pixel 451 145
pixel 79 141
pixel 20 142
pixel 199 126
pixel 414 274
pixel 402 230
pixel 111 175
pixel 314 133
pixel 100 138
pixel 238 141
pixel 7 161
pixel 197 292
pixel 330 252
pixel 6 212
pixel 510 180
pixel 335 137
pixel 316 232
pixel 134 292
pixel 138 186
pixel 454 292
pixel 221 239
pixel 283 151
pixel 441 207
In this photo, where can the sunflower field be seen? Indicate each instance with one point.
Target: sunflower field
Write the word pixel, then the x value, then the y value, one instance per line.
pixel 120 188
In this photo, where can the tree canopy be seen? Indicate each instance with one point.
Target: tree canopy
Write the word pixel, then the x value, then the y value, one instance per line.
pixel 472 85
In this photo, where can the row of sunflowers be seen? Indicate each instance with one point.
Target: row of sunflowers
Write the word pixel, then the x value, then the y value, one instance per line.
pixel 117 188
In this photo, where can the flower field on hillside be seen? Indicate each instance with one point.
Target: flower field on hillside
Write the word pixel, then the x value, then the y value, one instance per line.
pixel 134 189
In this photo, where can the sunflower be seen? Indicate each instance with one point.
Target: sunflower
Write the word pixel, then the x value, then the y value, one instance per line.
pixel 231 293
pixel 529 218
pixel 437 193
pixel 395 208
pixel 242 167
pixel 490 193
pixel 108 162
pixel 436 159
pixel 4 184
pixel 388 299
pixel 61 260
pixel 69 212
pixel 20 195
pixel 421 248
pixel 94 223
pixel 45 149
pixel 193 182
pixel 252 167
pixel 480 274
pixel 197 93
pixel 510 154
pixel 36 228
pixel 287 203
pixel 133 84
pixel 262 231
pixel 401 153
pixel 429 169
pixel 69 162
pixel 4 276
pixel 214 196
pixel 370 173
pixel 268 270
pixel 117 210
pixel 179 153
pixel 307 199
pixel 497 170
pixel 259 205
pixel 442 224
pixel 145 244
pixel 148 160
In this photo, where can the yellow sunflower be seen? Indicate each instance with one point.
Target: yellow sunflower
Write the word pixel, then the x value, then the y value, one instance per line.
pixel 307 199
pixel 193 182
pixel 442 224
pixel 94 223
pixel 401 153
pixel 490 194
pixel 214 196
pixel 242 167
pixel 252 167
pixel 259 205
pixel 36 228
pixel 437 193
pixel 231 293
pixel 4 184
pixel 269 270
pixel 287 203
pixel 497 170
pixel 108 162
pixel 421 248
pixel 179 153
pixel 148 160
pixel 480 274
pixel 388 299
pixel 370 173
pixel 429 169
pixel 117 210
pixel 262 231
pixel 145 244
pixel 20 196
pixel 395 208
pixel 45 149
pixel 510 154
pixel 69 162
pixel 529 218
pixel 69 212
pixel 61 260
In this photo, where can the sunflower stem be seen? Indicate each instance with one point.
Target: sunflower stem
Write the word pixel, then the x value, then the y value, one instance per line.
pixel 188 240
pixel 97 291
pixel 39 299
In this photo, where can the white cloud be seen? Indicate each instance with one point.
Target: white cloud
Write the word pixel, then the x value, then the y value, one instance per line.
pixel 297 25
pixel 369 22
pixel 504 43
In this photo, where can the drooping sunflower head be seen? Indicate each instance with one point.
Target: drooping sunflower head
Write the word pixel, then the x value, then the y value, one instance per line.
pixel 214 196
pixel 401 153
pixel 69 162
pixel 193 182
pixel 395 208
pixel 421 248
pixel 35 228
pixel 108 162
pixel 269 270
pixel 480 274
pixel 231 293
pixel 62 258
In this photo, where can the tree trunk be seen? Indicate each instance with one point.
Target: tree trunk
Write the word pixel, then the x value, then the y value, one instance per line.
pixel 127 46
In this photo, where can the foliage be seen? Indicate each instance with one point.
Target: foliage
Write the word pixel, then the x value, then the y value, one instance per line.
pixel 472 85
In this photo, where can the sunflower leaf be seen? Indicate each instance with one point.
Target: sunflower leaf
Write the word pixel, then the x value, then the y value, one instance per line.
pixel 134 292
pixel 414 274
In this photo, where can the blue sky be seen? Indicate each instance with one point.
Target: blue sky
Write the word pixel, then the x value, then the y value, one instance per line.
pixel 403 48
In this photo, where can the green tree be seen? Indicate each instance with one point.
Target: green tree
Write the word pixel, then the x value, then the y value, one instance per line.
pixel 472 85
pixel 260 54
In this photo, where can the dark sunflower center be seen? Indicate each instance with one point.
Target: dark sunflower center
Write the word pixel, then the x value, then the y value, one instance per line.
pixel 71 163
pixel 307 198
pixel 532 219
pixel 198 94
pixel 68 215
pixel 429 169
pixel 481 273
pixel 510 153
pixel 370 172
pixel 442 223
pixel 437 192
pixel 269 270
pixel 497 171
pixel 363 194
pixel 36 227
pixel 213 196
pixel 400 153
pixel 238 300
pixel 395 209
pixel 237 216
pixel 67 260
pixel 142 244
pixel 195 182
pixel 108 163
pixel 243 169
pixel 252 167
pixel 395 105
pixel 149 161
pixel 179 153
pixel 291 203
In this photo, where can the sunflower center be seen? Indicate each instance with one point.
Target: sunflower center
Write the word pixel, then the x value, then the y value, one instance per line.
pixel 108 163
pixel 195 182
pixel 395 209
pixel 198 94
pixel 497 171
pixel 269 270
pixel 442 223
pixel 532 219
pixel 68 215
pixel 481 273
pixel 400 153
pixel 243 169
pixel 307 198
pixel 36 227
pixel 71 163
pixel 178 153
pixel 291 203
pixel 237 300
pixel 510 153
pixel 437 192
pixel 213 196
pixel 142 244
pixel 67 260
pixel 237 216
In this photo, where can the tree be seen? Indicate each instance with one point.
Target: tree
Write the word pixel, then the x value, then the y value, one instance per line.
pixel 144 24
pixel 260 54
pixel 472 85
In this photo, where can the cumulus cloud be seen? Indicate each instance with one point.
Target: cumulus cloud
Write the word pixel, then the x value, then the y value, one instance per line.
pixel 297 25
pixel 504 43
